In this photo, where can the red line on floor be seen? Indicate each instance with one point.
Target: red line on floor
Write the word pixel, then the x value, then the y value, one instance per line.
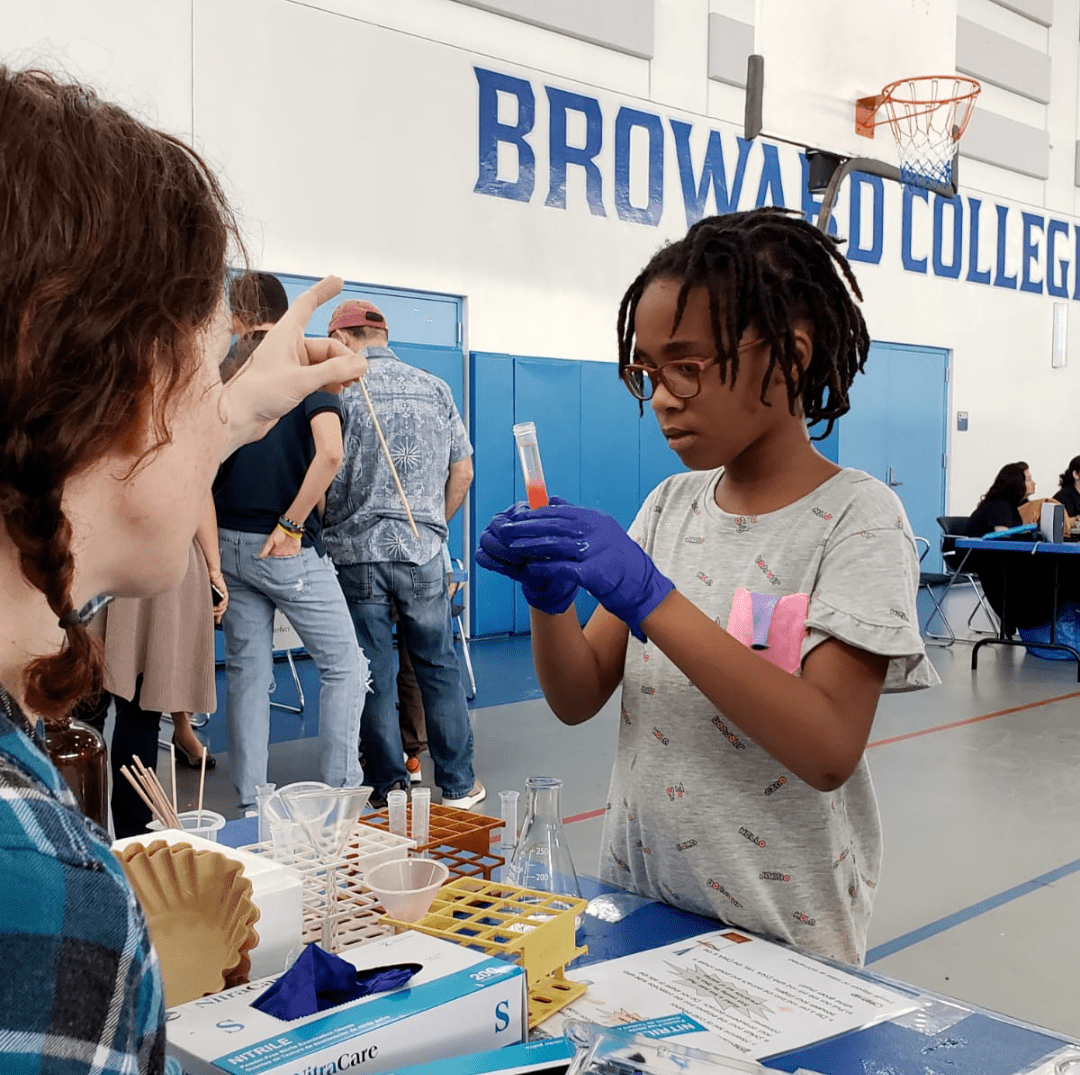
pixel 900 738
pixel 973 720
pixel 584 817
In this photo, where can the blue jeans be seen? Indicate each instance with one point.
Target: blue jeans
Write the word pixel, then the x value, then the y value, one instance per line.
pixel 424 616
pixel 306 589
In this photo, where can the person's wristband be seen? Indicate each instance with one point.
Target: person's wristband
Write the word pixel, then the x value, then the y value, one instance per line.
pixel 293 529
pixel 296 535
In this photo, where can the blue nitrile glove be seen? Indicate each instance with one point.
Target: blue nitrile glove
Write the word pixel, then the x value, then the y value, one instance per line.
pixel 592 546
pixel 552 592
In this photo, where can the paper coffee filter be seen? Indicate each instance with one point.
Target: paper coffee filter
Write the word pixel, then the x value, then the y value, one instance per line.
pixel 200 914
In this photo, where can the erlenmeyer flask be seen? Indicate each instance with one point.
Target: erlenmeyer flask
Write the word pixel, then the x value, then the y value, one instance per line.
pixel 541 856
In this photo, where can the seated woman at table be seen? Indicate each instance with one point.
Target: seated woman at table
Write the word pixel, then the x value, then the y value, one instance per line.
pixel 1020 589
pixel 1069 493
pixel 999 507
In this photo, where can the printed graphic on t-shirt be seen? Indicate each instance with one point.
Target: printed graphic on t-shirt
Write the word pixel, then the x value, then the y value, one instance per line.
pixel 771 626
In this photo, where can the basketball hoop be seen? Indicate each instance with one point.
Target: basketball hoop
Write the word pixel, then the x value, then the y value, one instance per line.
pixel 928 115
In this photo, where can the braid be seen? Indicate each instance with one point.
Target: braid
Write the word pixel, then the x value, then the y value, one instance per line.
pixel 768 268
pixel 39 529
pixel 113 247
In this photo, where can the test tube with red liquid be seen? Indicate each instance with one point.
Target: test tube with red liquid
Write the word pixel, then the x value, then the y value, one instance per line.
pixel 531 469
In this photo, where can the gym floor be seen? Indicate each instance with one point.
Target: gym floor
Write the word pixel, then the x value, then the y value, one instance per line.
pixel 980 893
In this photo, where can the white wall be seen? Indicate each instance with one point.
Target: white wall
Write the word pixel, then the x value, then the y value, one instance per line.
pixel 347 133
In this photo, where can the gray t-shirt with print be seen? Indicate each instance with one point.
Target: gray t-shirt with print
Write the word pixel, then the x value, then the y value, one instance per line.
pixel 697 814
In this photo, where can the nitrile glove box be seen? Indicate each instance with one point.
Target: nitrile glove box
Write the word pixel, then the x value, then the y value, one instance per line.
pixel 460 1002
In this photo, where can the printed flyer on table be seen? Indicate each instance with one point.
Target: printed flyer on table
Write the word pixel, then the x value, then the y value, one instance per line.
pixel 729 993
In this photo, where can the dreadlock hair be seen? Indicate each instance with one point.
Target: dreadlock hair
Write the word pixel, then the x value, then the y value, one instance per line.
pixel 768 268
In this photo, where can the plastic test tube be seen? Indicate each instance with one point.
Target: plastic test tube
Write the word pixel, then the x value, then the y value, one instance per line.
pixel 421 813
pixel 262 796
pixel 395 806
pixel 531 469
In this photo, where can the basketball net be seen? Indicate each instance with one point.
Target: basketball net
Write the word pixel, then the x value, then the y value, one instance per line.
pixel 928 115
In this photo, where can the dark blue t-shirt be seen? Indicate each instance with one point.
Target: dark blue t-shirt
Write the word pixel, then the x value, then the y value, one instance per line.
pixel 258 482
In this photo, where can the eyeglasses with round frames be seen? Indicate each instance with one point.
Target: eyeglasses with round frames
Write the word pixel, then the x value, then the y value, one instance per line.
pixel 682 378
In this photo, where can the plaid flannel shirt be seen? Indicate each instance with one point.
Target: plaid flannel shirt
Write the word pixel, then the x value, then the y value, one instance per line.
pixel 80 986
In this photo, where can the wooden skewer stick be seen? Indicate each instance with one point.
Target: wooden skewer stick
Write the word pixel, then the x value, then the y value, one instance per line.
pixel 202 781
pixel 142 794
pixel 157 792
pixel 172 772
pixel 389 459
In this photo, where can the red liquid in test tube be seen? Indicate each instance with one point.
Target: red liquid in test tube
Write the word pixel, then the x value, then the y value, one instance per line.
pixel 531 469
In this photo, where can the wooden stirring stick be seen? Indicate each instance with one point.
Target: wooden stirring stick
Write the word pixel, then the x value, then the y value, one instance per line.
pixel 389 459
pixel 202 781
pixel 142 794
pixel 172 770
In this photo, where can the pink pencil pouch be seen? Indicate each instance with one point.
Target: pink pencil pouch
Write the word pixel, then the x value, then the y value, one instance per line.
pixel 773 626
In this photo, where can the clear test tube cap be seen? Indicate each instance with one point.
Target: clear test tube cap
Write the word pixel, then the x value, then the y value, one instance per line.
pixel 524 430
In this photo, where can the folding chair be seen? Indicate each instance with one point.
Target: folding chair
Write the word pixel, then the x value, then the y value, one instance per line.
pixel 931 581
pixel 286 639
pixel 952 527
pixel 457 614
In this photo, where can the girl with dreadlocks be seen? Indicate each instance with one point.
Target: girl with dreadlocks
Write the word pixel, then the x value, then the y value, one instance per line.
pixel 756 610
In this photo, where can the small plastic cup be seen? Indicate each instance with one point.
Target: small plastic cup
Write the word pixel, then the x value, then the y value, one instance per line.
pixel 407 887
pixel 204 823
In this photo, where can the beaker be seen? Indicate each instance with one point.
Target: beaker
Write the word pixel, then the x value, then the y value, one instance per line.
pixel 541 856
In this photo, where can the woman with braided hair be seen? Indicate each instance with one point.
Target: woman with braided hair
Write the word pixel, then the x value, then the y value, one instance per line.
pixel 113 420
pixel 758 606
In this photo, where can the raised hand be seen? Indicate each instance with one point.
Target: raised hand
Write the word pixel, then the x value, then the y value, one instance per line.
pixel 286 367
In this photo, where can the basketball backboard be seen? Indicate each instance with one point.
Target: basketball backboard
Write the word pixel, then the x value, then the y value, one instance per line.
pixel 820 56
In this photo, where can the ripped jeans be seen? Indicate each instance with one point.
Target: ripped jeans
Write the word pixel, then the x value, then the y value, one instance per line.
pixel 306 589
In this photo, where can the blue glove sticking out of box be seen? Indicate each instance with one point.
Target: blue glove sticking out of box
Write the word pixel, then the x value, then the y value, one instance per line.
pixel 319 980
pixel 560 546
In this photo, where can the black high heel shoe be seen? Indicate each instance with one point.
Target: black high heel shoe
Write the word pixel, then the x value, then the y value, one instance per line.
pixel 191 760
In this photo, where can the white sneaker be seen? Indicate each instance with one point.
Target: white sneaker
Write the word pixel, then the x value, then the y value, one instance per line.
pixel 467 802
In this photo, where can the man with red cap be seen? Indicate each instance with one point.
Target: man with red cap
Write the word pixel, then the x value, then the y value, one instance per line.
pixel 382 564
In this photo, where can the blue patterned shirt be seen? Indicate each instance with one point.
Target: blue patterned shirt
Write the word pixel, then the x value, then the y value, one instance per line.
pixel 365 521
pixel 81 987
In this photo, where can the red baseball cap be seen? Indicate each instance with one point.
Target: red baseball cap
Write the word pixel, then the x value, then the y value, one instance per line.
pixel 356 313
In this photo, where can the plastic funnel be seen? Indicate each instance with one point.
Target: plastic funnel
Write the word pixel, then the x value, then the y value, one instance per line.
pixel 276 811
pixel 327 816
pixel 407 887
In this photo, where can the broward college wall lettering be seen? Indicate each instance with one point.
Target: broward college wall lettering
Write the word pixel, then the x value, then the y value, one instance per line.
pixel 994 244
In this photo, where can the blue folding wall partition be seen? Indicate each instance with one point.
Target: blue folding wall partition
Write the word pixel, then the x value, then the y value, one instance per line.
pixel 595 449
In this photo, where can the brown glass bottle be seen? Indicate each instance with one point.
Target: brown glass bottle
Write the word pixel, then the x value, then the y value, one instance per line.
pixel 78 752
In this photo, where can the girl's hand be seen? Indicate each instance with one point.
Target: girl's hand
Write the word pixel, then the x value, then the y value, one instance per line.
pixel 286 367
pixel 547 587
pixel 494 552
pixel 562 541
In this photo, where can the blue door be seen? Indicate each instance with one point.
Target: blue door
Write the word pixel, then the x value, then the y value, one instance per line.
pixel 896 431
